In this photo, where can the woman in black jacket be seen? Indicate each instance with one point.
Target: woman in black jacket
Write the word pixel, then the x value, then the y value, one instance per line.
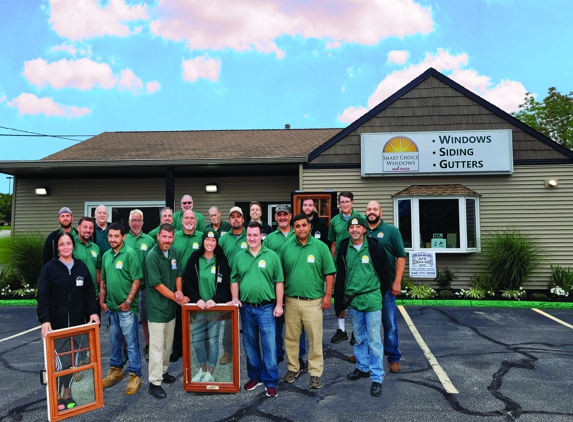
pixel 66 298
pixel 206 283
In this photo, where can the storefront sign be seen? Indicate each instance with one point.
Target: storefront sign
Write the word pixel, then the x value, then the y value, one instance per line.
pixel 422 264
pixel 437 153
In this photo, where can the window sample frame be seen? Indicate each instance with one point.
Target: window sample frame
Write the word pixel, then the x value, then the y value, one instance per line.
pixel 468 242
pixel 92 331
pixel 211 387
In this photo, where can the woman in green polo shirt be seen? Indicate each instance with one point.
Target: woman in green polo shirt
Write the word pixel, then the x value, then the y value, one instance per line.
pixel 206 283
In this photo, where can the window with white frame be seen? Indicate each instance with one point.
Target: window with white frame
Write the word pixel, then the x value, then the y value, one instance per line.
pixel 442 223
pixel 119 211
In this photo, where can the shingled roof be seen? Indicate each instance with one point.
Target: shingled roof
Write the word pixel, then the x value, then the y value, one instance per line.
pixel 197 144
pixel 436 190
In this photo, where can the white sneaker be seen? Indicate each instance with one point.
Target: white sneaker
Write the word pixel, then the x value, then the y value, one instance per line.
pixel 199 377
pixel 208 377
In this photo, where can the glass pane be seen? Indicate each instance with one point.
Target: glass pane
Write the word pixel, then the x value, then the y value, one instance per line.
pixel 71 351
pixel 405 221
pixel 471 222
pixel 211 335
pixel 439 223
pixel 74 390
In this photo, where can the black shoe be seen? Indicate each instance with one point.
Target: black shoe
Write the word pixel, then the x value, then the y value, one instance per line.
pixel 302 364
pixel 175 355
pixel 339 336
pixel 124 357
pixel 352 339
pixel 357 374
pixel 156 391
pixel 168 379
pixel 280 359
pixel 376 389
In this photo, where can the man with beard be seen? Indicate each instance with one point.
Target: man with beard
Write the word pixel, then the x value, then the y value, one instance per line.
pixel 187 205
pixel 88 251
pixel 186 242
pixel 164 296
pixel 165 217
pixel 318 227
pixel 391 239
pixel 221 227
pixel 101 228
pixel 363 277
pixel 65 218
pixel 120 280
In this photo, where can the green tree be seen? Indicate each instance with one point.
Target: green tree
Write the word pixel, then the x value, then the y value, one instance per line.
pixel 553 116
pixel 5 207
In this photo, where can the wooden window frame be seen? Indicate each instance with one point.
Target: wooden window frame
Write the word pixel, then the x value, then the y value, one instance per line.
pixel 92 331
pixel 211 387
pixel 297 197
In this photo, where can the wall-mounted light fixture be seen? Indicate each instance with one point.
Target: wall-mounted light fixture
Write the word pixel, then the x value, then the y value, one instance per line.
pixel 551 183
pixel 41 191
pixel 211 188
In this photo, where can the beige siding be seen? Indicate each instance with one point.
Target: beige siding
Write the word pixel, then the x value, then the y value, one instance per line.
pixel 520 200
pixel 40 212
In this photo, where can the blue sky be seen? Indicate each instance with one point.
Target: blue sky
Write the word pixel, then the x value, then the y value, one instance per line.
pixel 82 67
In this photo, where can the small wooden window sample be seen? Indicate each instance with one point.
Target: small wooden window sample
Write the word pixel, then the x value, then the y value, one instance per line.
pixel 209 336
pixel 324 202
pixel 67 353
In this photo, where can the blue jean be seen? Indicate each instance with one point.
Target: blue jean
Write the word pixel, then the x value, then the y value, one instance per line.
pixel 368 348
pixel 259 324
pixel 205 327
pixel 124 324
pixel 280 339
pixel 390 327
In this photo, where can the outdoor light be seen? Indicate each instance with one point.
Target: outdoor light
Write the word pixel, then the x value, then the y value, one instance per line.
pixel 211 188
pixel 552 183
pixel 41 191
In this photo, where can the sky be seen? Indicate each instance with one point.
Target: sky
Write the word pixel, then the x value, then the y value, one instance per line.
pixel 83 67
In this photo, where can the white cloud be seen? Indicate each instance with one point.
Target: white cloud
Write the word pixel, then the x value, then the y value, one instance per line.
pixel 129 81
pixel 151 87
pixel 84 19
pixel 27 103
pixel 398 56
pixel 201 68
pixel 507 95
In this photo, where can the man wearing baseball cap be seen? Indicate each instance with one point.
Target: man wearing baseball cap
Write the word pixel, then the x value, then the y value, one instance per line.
pixel 363 277
pixel 65 218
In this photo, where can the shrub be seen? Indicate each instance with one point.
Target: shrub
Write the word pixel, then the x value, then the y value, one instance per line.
pixel 472 293
pixel 447 294
pixel 27 256
pixel 539 296
pixel 445 278
pixel 419 291
pixel 485 282
pixel 514 294
pixel 561 277
pixel 510 257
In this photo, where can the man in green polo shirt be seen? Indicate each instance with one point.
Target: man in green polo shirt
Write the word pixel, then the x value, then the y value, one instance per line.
pixel 391 239
pixel 257 276
pixel 186 242
pixel 101 228
pixel 362 278
pixel 336 234
pixel 164 296
pixel 165 217
pixel 88 251
pixel 121 275
pixel 187 205
pixel 307 263
pixel 142 244
pixel 220 226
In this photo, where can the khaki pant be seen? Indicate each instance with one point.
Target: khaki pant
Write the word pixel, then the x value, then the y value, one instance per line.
pixel 160 342
pixel 308 313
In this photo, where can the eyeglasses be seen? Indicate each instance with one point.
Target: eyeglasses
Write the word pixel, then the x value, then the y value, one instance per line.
pixel 187 203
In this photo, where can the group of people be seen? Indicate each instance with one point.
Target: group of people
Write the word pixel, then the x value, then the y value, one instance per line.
pixel 281 279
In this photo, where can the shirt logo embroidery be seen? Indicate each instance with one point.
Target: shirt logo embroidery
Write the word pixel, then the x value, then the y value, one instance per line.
pixel 94 254
pixel 317 235
pixel 195 245
pixel 119 265
pixel 380 235
pixel 173 264
pixel 143 247
pixel 213 269
pixel 365 259
pixel 310 259
pixel 244 245
pixel 262 264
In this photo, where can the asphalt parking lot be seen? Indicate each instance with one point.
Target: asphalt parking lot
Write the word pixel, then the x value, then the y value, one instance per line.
pixel 505 364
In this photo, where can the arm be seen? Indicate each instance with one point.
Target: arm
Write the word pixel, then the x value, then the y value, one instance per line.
pixel 397 285
pixel 126 304
pixel 98 280
pixel 332 248
pixel 327 298
pixel 235 295
pixel 102 294
pixel 180 298
pixel 43 309
pixel 279 290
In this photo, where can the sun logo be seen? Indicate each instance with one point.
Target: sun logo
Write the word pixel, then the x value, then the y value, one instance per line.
pixel 400 154
pixel 400 144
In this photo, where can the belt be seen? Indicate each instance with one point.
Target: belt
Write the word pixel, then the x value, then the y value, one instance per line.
pixel 259 305
pixel 301 298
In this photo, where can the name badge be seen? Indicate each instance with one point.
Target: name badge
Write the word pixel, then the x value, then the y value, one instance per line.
pixel 173 264
pixel 317 235
pixel 195 245
pixel 213 270
pixel 94 254
pixel 143 247
pixel 119 265
pixel 365 259
pixel 79 281
pixel 310 259
pixel 244 245
pixel 262 264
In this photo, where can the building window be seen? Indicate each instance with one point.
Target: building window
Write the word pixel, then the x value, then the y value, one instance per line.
pixel 441 223
pixel 119 211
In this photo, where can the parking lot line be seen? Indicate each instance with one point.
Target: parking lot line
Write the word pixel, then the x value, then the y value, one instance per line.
pixel 552 317
pixel 442 376
pixel 22 333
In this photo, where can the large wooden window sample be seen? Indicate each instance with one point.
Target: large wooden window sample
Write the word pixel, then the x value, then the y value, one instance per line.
pixel 74 381
pixel 324 202
pixel 211 349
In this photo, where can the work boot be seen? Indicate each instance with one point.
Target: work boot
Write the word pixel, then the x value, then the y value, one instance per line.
pixel 395 367
pixel 114 376
pixel 134 383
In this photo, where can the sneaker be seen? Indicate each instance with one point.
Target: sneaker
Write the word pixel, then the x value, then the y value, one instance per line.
pixel 114 376
pixel 290 376
pixel 315 383
pixel 225 359
pixel 134 384
pixel 339 336
pixel 146 352
pixel 272 392
pixel 252 384
pixel 199 376
pixel 208 377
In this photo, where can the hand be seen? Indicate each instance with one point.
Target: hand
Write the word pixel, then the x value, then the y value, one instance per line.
pixel 46 328
pixel 326 301
pixel 278 311
pixel 94 318
pixel 182 300
pixel 178 296
pixel 235 302
pixel 103 306
pixel 201 304
pixel 124 306
pixel 396 287
pixel 209 304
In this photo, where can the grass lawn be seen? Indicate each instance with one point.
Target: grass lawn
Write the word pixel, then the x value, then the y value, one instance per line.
pixel 5 228
pixel 5 249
